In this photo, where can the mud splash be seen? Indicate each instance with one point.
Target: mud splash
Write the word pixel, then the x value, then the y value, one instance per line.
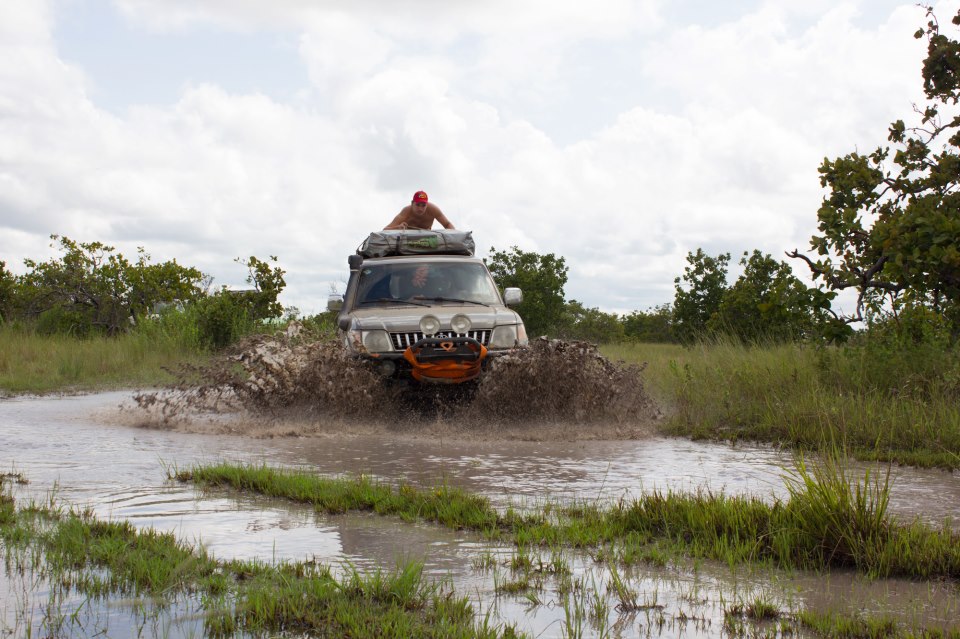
pixel 555 379
pixel 293 379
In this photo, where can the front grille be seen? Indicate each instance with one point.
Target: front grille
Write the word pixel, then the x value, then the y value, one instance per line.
pixel 402 340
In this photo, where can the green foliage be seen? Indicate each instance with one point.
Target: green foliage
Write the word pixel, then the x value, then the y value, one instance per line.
pixel 64 321
pixel 8 284
pixel 174 327
pixel 269 283
pixel 226 316
pixel 222 318
pixel 889 227
pixel 92 288
pixel 323 325
pixel 705 282
pixel 542 278
pixel 39 363
pixel 905 356
pixel 589 324
pixel 831 519
pixel 101 562
pixel 767 302
pixel 653 325
pixel 894 403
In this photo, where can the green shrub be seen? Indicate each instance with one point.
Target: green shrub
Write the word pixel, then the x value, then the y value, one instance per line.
pixel 323 325
pixel 63 321
pixel 221 319
pixel 911 356
pixel 172 328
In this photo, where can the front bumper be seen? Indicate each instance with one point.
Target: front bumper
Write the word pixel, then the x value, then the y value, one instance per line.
pixel 445 360
pixel 452 360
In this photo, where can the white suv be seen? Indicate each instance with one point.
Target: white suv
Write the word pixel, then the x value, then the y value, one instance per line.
pixel 430 316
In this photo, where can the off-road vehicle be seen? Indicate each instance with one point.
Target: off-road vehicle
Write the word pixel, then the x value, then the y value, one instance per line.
pixel 421 307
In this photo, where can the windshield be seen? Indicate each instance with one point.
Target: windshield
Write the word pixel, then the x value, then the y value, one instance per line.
pixel 388 283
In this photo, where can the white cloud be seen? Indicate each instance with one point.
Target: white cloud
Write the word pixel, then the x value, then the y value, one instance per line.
pixel 717 148
pixel 424 20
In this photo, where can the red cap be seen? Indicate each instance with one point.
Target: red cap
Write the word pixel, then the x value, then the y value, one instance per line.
pixel 420 196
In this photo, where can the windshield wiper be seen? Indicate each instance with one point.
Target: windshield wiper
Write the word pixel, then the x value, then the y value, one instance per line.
pixel 391 301
pixel 451 299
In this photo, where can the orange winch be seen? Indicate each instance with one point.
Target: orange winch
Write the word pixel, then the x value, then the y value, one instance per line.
pixel 449 360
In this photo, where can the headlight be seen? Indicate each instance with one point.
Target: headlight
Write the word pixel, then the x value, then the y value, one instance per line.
pixel 429 325
pixel 460 324
pixel 504 337
pixel 522 335
pixel 377 341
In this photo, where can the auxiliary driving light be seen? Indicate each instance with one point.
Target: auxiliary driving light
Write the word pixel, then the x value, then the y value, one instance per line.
pixel 460 324
pixel 429 325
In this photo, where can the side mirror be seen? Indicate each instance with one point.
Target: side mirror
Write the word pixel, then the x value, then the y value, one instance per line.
pixel 512 296
pixel 355 261
pixel 334 302
pixel 344 323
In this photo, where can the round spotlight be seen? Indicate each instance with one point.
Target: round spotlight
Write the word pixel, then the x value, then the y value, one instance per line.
pixel 460 324
pixel 429 325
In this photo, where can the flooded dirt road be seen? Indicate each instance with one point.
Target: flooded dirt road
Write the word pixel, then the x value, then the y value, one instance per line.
pixel 88 452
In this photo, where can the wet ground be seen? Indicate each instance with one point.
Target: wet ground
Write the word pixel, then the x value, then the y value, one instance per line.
pixel 89 452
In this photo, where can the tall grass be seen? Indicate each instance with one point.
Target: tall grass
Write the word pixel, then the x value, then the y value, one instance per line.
pixel 884 404
pixel 35 363
pixel 36 360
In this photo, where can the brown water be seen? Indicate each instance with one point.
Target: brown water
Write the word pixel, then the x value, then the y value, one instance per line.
pixel 89 452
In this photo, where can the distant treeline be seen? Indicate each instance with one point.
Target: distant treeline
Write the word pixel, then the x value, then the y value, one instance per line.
pixel 90 289
pixel 766 303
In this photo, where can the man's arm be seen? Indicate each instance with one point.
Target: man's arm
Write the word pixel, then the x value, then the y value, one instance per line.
pixel 399 222
pixel 440 217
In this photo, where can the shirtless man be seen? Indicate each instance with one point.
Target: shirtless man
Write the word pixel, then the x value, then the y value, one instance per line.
pixel 419 214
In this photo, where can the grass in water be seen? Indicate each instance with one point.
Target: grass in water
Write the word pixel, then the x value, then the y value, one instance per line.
pixel 830 520
pixel 100 559
pixel 113 559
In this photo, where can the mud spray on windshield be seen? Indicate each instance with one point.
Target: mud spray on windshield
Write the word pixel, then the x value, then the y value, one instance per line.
pixel 286 377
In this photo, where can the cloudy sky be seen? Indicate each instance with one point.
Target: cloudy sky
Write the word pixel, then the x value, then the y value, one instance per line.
pixel 619 134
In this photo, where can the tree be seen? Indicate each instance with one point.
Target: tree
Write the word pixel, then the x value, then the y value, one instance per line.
pixel 589 324
pixel 8 284
pixel 269 283
pixel 768 302
pixel 227 315
pixel 705 280
pixel 890 225
pixel 166 282
pixel 653 325
pixel 90 287
pixel 542 278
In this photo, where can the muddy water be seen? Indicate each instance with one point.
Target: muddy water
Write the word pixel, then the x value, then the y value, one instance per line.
pixel 85 450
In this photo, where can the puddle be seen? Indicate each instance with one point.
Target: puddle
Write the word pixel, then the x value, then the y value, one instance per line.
pixel 84 450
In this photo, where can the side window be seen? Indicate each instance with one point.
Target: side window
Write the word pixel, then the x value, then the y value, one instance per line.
pixel 373 285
